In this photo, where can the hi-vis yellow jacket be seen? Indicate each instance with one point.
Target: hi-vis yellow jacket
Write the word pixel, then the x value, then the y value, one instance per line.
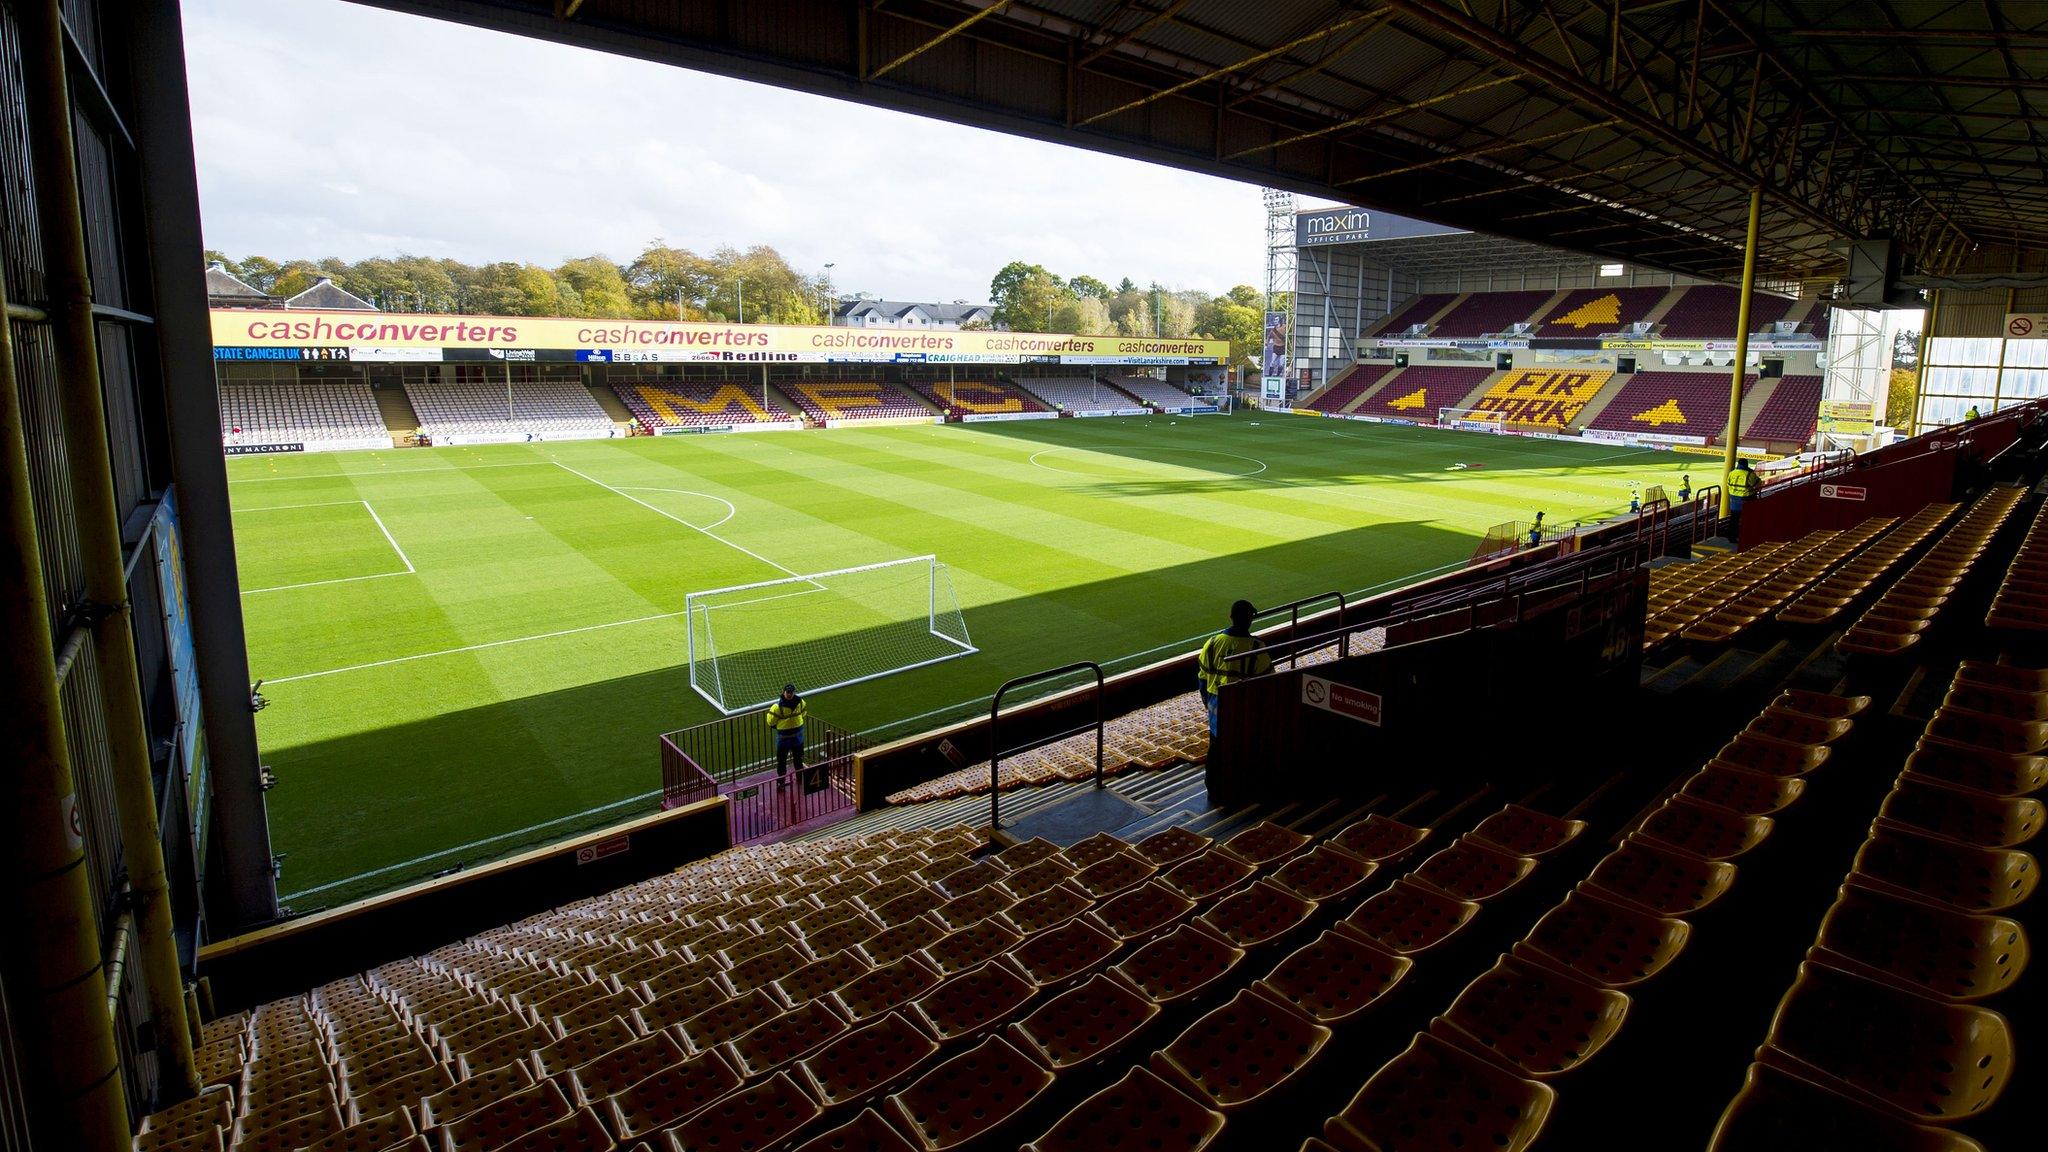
pixel 786 719
pixel 1227 659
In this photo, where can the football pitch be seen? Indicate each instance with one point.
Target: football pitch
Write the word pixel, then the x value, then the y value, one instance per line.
pixel 468 651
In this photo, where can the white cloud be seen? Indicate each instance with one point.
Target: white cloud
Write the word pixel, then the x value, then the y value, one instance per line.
pixel 328 129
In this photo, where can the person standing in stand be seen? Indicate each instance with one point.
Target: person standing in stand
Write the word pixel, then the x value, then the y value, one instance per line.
pixel 786 717
pixel 1229 656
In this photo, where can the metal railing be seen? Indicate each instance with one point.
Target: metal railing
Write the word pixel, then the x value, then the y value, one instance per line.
pixel 996 751
pixel 683 780
pixel 1293 609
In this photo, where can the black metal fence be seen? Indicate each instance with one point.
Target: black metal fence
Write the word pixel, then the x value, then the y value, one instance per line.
pixel 737 757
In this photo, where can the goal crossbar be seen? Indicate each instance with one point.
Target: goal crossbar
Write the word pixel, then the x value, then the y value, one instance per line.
pixel 1471 417
pixel 925 629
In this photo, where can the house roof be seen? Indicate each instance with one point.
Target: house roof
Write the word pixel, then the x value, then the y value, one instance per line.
pixel 222 284
pixel 897 309
pixel 327 296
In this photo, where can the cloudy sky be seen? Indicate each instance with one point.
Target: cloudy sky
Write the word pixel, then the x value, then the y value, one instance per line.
pixel 328 129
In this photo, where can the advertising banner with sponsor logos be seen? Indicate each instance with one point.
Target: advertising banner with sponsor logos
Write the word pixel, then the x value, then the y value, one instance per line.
pixel 245 334
pixel 1848 417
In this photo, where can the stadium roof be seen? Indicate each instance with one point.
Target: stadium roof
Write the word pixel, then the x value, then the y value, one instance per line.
pixel 1629 129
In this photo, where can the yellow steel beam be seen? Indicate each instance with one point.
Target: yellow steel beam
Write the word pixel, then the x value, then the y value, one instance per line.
pixel 1241 65
pixel 941 38
pixel 1756 208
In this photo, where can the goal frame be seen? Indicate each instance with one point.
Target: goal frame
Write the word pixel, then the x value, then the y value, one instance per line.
pixel 691 605
pixel 1473 419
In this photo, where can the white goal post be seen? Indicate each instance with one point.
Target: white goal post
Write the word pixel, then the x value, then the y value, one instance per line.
pixel 1472 419
pixel 822 630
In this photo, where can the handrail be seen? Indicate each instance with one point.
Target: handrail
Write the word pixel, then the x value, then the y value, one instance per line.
pixel 1293 609
pixel 995 745
pixel 1578 568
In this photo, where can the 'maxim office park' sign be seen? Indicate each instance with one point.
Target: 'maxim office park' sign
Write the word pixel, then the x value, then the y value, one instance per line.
pixel 1355 225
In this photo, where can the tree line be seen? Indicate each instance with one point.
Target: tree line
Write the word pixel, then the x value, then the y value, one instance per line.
pixel 1028 298
pixel 662 283
pixel 668 283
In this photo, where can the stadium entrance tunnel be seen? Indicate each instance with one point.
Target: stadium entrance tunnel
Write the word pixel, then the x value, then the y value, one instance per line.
pixel 365 811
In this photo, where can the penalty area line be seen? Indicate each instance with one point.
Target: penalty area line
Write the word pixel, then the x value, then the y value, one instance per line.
pixel 678 519
pixel 466 647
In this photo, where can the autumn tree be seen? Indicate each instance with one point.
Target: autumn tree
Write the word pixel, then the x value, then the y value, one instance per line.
pixel 599 286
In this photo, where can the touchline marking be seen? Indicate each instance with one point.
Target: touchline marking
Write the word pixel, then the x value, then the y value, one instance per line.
pixel 318 583
pixel 452 470
pixel 403 864
pixel 466 647
pixel 678 519
pixel 403 558
pixel 289 507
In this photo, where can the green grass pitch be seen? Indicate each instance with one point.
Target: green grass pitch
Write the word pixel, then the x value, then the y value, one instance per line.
pixel 470 650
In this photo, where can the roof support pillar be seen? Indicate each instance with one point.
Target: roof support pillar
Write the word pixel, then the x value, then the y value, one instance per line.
pixel 1756 206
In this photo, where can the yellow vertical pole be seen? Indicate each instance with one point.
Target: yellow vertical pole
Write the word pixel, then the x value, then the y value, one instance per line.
pixel 1756 207
pixel 56 990
pixel 75 339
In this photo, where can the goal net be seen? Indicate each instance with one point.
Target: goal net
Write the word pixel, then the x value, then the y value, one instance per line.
pixel 824 630
pixel 1471 419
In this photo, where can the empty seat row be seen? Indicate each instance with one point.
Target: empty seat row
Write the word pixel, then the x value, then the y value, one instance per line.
pixel 1152 390
pixel 2018 616
pixel 479 407
pixel 1836 592
pixel 1170 732
pixel 1078 393
pixel 1682 595
pixel 1896 621
pixel 1764 599
pixel 1486 1072
pixel 557 1032
pixel 977 397
pixel 1884 1038
pixel 298 412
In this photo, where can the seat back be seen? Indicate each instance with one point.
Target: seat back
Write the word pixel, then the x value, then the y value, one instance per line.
pixel 1436 1096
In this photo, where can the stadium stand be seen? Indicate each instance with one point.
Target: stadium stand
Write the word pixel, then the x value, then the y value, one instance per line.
pixel 1712 310
pixel 1671 404
pixel 1153 391
pixel 853 400
pixel 1543 400
pixel 560 410
pixel 1350 386
pixel 1417 311
pixel 320 414
pixel 1418 393
pixel 680 404
pixel 1077 394
pixel 1442 966
pixel 977 397
pixel 1592 311
pixel 1790 414
pixel 1484 313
